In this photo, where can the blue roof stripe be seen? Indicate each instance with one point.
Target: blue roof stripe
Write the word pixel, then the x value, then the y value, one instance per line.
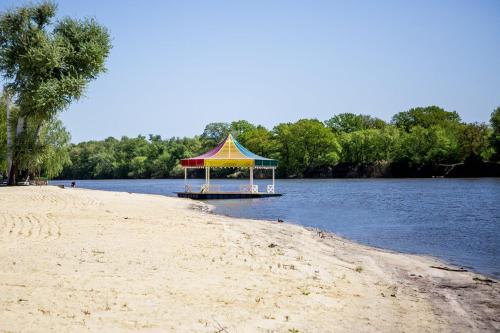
pixel 247 152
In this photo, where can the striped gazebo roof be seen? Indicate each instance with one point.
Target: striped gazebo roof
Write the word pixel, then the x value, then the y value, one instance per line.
pixel 229 153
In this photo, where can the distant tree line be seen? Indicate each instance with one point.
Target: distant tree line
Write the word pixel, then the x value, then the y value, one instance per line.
pixel 419 137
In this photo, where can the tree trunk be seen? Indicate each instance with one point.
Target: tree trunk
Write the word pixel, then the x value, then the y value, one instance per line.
pixel 14 170
pixel 37 133
pixel 9 133
pixel 21 126
pixel 12 175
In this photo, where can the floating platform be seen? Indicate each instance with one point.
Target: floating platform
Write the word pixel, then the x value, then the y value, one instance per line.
pixel 225 195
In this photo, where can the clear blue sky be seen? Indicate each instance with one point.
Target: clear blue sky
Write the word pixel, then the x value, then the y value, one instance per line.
pixel 178 65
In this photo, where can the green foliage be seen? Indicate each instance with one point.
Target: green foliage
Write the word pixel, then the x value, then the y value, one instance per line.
pixel 258 140
pixel 427 146
pixel 240 127
pixel 369 146
pixel 53 149
pixel 495 135
pixel 47 156
pixel 350 122
pixel 495 120
pixel 424 117
pixel 46 65
pixel 3 137
pixel 304 146
pixel 475 141
pixel 138 157
pixel 214 133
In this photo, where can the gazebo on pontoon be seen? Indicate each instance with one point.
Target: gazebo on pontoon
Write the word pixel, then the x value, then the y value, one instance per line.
pixel 229 153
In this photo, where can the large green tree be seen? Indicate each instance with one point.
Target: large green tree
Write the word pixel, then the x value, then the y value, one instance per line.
pixel 424 117
pixel 304 146
pixel 50 153
pixel 240 127
pixel 370 145
pixel 474 141
pixel 46 66
pixel 214 133
pixel 259 140
pixel 432 145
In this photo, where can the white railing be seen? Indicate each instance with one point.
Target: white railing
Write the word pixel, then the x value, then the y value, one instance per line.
pixel 249 188
pixel 245 188
pixel 209 188
pixel 205 188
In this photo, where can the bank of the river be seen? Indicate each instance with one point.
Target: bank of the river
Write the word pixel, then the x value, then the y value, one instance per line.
pixel 80 260
pixel 453 219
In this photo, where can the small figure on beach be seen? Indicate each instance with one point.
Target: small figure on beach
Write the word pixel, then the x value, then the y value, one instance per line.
pixel 73 184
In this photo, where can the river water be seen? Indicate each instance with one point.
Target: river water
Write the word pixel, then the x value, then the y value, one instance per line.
pixel 457 220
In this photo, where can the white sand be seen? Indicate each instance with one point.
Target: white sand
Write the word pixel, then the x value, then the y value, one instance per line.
pixel 75 260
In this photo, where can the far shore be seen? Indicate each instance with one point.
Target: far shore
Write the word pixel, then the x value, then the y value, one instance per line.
pixel 87 260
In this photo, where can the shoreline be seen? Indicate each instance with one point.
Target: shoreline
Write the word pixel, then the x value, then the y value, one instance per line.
pixel 428 285
pixel 442 261
pixel 438 262
pixel 268 276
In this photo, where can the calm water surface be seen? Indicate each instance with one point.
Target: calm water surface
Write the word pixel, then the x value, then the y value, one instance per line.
pixel 457 220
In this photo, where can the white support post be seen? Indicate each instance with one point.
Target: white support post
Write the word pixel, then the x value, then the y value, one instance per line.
pixel 273 179
pixel 251 180
pixel 185 177
pixel 208 176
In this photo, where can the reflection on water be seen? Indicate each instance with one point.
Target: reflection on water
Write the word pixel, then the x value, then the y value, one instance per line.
pixel 455 219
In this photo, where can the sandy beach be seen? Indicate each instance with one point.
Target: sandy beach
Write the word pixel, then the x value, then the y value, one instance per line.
pixel 75 260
